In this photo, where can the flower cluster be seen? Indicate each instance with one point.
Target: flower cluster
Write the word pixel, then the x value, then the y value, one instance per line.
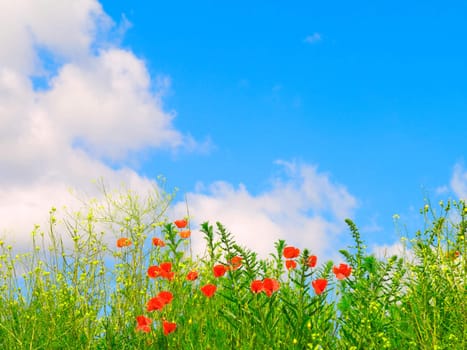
pixel 342 271
pixel 158 302
pixel 267 285
pixel 181 225
pixel 291 253
pixel 143 324
pixel 164 270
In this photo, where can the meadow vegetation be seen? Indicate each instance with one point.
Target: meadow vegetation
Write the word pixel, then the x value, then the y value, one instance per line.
pixel 120 274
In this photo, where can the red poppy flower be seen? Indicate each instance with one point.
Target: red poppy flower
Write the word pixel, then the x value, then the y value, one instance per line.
pixel 166 266
pixel 181 223
pixel 158 242
pixel 291 252
pixel 319 285
pixel 166 272
pixel 154 271
pixel 219 270
pixel 165 297
pixel 342 271
pixel 123 242
pixel 209 290
pixel 144 324
pixel 192 275
pixel 158 302
pixel 290 264
pixel 236 262
pixel 155 303
pixel 270 285
pixel 185 234
pixel 312 260
pixel 257 286
pixel 169 327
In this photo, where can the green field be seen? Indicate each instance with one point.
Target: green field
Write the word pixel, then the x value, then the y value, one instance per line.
pixel 99 279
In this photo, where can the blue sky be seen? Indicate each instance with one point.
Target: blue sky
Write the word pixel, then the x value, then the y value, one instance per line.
pixel 367 101
pixel 377 99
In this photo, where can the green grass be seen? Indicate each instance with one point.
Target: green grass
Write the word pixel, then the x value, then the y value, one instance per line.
pixel 75 289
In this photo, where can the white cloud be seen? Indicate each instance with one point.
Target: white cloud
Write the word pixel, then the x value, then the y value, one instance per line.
pixel 313 38
pixel 66 28
pixel 106 105
pixel 459 181
pixel 100 104
pixel 385 251
pixel 305 207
